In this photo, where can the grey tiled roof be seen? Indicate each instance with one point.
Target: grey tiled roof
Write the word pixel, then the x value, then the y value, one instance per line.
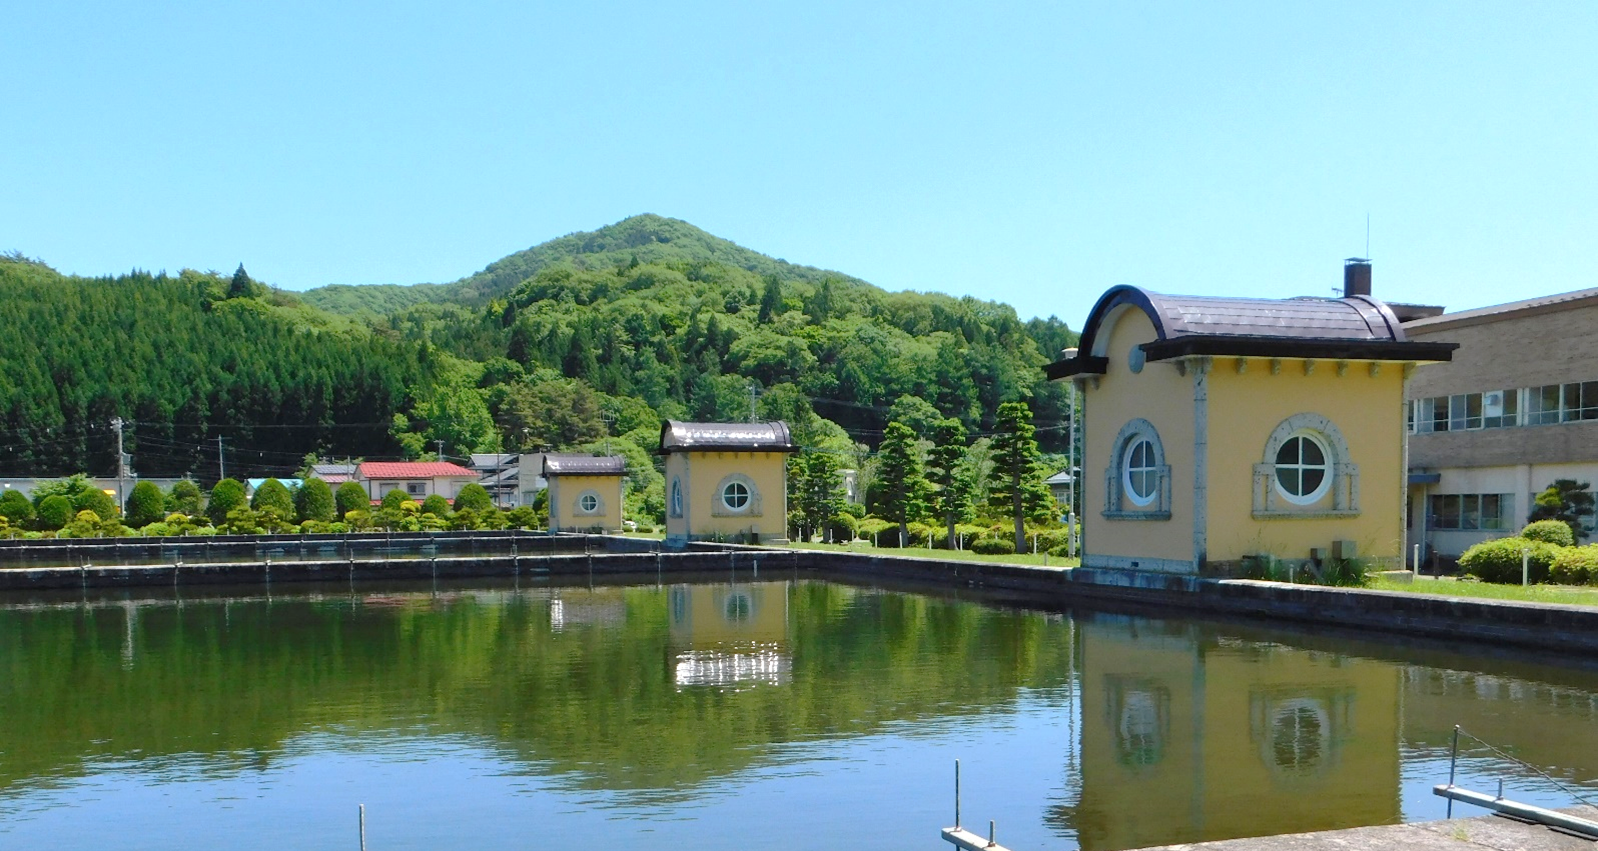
pixel 762 437
pixel 1558 301
pixel 1318 318
pixel 584 465
pixel 333 469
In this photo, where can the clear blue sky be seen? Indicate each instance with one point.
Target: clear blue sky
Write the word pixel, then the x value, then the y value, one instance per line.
pixel 1034 153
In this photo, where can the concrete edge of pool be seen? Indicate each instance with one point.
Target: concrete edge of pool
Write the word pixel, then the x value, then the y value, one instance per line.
pixel 1481 832
pixel 1569 629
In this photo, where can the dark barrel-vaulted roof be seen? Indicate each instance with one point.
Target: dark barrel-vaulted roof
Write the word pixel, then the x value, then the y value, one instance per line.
pixel 1353 328
pixel 584 465
pixel 737 437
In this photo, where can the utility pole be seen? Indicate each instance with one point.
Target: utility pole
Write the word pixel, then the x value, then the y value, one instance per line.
pixel 754 393
pixel 440 444
pixel 221 471
pixel 122 462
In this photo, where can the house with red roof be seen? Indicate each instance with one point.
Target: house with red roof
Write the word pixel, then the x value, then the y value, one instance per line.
pixel 418 479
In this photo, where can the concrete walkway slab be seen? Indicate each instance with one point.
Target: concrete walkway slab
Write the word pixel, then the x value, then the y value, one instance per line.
pixel 1483 833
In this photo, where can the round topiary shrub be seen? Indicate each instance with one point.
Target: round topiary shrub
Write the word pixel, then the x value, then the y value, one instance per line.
pixel 1499 561
pixel 1575 566
pixel 1556 532
pixel 993 547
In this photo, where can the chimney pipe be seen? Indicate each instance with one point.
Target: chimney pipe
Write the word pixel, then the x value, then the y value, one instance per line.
pixel 1356 277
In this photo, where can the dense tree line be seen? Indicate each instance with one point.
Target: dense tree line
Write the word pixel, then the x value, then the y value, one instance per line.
pixel 185 359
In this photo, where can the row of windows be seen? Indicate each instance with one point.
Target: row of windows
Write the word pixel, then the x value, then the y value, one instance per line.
pixel 1472 511
pixel 1526 406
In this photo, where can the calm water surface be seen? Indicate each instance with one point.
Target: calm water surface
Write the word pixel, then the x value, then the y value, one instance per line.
pixel 774 714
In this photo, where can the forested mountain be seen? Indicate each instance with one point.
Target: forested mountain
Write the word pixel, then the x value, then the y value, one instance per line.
pixel 645 238
pixel 185 359
pixel 587 336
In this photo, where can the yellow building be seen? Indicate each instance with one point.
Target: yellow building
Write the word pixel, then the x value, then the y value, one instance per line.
pixel 585 492
pixel 1193 735
pixel 726 481
pixel 1219 428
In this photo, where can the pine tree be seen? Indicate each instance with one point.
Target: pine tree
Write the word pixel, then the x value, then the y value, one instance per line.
pixel 240 286
pixel 817 488
pixel 1018 474
pixel 1567 501
pixel 903 486
pixel 770 300
pixel 951 482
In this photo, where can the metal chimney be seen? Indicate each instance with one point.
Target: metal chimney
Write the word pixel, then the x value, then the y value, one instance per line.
pixel 1356 277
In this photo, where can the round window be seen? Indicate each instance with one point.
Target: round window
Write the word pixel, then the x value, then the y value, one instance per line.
pixel 735 495
pixel 588 502
pixel 1303 474
pixel 1140 474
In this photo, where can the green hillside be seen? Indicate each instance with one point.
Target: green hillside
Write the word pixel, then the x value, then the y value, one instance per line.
pixel 645 238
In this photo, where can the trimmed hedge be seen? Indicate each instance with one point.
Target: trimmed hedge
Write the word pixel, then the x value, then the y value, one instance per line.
pixel 1556 532
pixel 1575 565
pixel 1499 560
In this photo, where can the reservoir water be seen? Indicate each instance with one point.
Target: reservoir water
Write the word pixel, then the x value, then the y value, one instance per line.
pixel 788 714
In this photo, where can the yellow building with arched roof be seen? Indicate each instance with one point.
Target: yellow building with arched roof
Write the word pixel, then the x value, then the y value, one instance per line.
pixel 1221 428
pixel 585 492
pixel 726 481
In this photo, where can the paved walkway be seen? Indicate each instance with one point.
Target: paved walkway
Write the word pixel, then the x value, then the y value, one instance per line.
pixel 1460 834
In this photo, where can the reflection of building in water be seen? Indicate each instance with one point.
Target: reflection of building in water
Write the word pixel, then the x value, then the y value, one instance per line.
pixel 596 607
pixel 1187 736
pixel 730 635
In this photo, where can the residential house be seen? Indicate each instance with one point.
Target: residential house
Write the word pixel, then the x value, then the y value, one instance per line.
pixel 418 479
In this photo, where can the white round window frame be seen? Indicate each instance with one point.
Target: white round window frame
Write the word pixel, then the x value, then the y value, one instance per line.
pixel 582 502
pixel 748 496
pixel 1328 466
pixel 1131 493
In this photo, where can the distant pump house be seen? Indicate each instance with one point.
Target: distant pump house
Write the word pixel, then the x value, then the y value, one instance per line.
pixel 726 481
pixel 584 492
pixel 1222 428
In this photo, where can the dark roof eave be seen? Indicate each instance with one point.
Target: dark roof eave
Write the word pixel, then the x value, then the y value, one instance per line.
pixel 1079 365
pixel 1299 347
pixel 729 447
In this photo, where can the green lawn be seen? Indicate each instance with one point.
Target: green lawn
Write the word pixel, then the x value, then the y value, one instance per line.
pixel 1448 587
pixel 1038 560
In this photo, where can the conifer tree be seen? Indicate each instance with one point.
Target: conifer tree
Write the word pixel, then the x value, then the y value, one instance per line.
pixel 146 505
pixel 274 495
pixel 1017 483
pixel 314 501
pixel 951 482
pixel 226 495
pixel 899 474
pixel 351 497
pixel 473 497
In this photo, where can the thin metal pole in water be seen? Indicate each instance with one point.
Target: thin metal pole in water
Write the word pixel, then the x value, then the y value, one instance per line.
pixel 957 794
pixel 1453 762
pixel 363 827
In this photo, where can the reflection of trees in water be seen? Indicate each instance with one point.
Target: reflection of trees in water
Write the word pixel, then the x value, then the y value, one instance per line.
pixel 598 699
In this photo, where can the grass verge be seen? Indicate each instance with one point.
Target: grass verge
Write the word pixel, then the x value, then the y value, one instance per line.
pixel 864 547
pixel 1448 587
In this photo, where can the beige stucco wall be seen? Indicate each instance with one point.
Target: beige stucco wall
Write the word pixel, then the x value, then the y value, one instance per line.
pixel 1246 407
pixel 703 475
pixel 1164 397
pixel 566 516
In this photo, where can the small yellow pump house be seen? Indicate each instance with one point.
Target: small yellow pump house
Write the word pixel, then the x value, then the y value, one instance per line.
pixel 726 481
pixel 1222 428
pixel 585 492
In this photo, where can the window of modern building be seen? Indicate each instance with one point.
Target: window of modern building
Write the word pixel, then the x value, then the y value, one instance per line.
pixel 1545 404
pixel 416 488
pixel 1470 511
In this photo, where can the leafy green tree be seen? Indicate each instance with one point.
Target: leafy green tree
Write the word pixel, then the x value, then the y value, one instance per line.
pixel 94 499
pixel 185 499
pixel 226 495
pixel 473 497
pixel 15 507
pixel 949 477
pixel 816 488
pixel 54 512
pixel 1567 501
pixel 436 505
pixel 146 505
pixel 1017 482
pixel 273 495
pixel 314 501
pixel 459 417
pixel 900 480
pixel 351 497
pixel 916 413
